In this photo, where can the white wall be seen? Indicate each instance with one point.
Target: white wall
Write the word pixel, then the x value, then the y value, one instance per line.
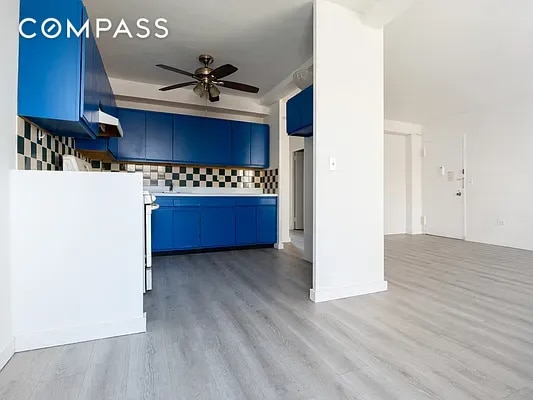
pixel 349 126
pixel 499 166
pixel 8 120
pixel 176 109
pixel 295 144
pixel 395 184
pixel 77 244
pixel 186 98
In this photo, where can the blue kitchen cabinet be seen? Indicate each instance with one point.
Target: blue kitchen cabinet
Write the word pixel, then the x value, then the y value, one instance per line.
pixel 201 141
pixel 240 143
pixel 103 149
pixel 245 225
pixel 186 228
pixel 186 146
pixel 294 118
pixel 267 221
pixel 259 145
pixel 163 229
pixel 195 222
pixel 158 136
pixel 218 226
pixel 215 136
pixel 131 147
pixel 300 113
pixel 60 80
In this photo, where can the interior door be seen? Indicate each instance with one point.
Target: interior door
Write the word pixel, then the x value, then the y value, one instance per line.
pixel 298 190
pixel 443 187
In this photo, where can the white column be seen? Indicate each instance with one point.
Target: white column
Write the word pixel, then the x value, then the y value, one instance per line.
pixel 348 127
pixel 308 199
pixel 414 184
pixel 284 171
pixel 8 128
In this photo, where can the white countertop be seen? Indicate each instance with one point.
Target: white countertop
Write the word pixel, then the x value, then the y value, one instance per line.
pixel 182 194
pixel 161 191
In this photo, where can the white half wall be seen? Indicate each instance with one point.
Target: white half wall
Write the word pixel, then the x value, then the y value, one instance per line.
pixel 77 244
pixel 498 172
pixel 8 128
pixel 395 184
pixel 348 126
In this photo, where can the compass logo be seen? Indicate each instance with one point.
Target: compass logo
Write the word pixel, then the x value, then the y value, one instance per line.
pixel 52 28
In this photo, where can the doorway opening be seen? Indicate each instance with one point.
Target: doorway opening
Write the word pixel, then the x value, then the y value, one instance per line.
pixel 297 226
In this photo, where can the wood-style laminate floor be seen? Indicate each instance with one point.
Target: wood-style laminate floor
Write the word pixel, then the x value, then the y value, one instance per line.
pixel 456 324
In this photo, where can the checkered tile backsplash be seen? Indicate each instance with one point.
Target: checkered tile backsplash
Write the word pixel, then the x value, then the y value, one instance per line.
pixel 185 176
pixel 38 150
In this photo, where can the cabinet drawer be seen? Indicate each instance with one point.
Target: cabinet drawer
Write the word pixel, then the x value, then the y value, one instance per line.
pixel 164 201
pixel 186 201
pixel 217 201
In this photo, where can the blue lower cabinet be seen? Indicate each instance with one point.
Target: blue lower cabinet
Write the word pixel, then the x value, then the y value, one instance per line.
pixel 218 227
pixel 162 229
pixel 267 224
pixel 245 225
pixel 193 223
pixel 186 228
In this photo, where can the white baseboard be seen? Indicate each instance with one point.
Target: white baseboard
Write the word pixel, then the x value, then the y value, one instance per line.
pixel 279 246
pixel 79 334
pixel 7 353
pixel 319 296
pixel 417 232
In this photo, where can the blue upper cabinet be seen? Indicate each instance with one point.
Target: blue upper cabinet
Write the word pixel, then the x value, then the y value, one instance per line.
pixel 259 145
pixel 185 139
pixel 59 79
pixel 132 147
pixel 202 141
pixel 300 114
pixel 240 143
pixel 158 136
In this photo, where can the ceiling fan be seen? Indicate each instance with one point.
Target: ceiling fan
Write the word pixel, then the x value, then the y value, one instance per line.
pixel 207 79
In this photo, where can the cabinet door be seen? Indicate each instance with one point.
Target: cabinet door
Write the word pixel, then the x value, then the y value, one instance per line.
pixel 293 114
pixel 187 144
pixel 162 229
pixel 260 145
pixel 90 103
pixel 245 225
pixel 267 224
pixel 240 143
pixel 306 111
pixel 186 228
pixel 133 145
pixel 215 135
pixel 158 136
pixel 218 226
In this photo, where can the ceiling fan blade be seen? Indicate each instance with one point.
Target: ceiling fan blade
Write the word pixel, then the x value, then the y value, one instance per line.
pixel 223 71
pixel 177 86
pixel 238 86
pixel 179 71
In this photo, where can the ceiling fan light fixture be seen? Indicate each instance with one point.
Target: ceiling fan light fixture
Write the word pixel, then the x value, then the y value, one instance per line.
pixel 303 78
pixel 214 91
pixel 200 90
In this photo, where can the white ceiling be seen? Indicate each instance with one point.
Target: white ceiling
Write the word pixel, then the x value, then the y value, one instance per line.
pixel 266 40
pixel 444 57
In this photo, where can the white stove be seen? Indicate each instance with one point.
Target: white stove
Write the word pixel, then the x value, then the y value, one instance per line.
pixel 149 206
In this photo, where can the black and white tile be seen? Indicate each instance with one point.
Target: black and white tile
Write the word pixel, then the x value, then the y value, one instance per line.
pixel 39 150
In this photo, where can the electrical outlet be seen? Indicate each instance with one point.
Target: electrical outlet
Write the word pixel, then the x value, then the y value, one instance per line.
pixel 500 222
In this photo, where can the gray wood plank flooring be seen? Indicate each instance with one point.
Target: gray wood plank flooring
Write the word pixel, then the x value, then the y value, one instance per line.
pixel 456 324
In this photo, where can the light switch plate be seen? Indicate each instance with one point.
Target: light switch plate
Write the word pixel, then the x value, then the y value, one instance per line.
pixel 332 164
